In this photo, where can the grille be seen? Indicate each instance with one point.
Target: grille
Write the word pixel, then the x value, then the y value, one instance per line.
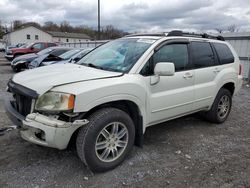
pixel 22 104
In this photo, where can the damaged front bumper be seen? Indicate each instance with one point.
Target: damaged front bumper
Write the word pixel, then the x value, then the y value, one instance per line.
pixel 48 131
pixel 43 130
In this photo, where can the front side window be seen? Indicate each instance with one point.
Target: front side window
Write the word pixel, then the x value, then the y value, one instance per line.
pixel 172 53
pixel 118 55
pixel 224 53
pixel 202 55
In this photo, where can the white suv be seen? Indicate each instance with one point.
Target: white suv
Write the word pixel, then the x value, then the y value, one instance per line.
pixel 109 98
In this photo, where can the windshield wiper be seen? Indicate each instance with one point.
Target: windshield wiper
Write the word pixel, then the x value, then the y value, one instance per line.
pixel 94 66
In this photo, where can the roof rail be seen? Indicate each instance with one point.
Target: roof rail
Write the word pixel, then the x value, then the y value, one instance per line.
pixel 146 34
pixel 187 34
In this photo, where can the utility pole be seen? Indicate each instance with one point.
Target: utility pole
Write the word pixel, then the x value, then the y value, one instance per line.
pixel 99 20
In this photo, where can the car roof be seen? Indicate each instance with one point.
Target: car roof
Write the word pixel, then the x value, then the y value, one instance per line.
pixel 177 34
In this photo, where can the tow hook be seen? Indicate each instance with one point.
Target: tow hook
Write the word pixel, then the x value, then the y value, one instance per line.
pixel 7 129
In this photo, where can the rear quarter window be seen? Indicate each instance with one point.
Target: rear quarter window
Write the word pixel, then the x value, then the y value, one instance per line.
pixel 224 53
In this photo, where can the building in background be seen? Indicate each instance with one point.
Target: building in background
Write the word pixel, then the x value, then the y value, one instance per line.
pixel 241 43
pixel 32 34
pixel 64 37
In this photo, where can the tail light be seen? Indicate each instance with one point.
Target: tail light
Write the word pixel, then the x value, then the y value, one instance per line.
pixel 240 69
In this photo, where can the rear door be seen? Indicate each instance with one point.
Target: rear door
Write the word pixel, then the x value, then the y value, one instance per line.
pixel 206 66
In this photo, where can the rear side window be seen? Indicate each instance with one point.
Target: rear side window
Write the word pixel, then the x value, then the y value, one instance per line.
pixel 202 54
pixel 51 44
pixel 224 53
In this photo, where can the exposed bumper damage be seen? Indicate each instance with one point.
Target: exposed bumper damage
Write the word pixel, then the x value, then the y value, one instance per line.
pixel 48 131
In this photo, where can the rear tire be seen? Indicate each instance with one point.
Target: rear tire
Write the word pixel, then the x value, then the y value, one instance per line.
pixel 106 140
pixel 220 108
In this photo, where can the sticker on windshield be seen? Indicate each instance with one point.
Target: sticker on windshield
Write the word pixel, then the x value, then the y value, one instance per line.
pixel 149 41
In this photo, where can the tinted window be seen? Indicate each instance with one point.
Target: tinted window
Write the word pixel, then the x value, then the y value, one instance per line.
pixel 202 54
pixel 224 53
pixel 58 52
pixel 51 44
pixel 175 53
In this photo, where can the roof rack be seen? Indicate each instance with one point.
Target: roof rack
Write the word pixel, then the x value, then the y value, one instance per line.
pixel 187 34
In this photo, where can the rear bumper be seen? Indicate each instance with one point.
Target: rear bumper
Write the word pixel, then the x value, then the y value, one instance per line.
pixel 238 84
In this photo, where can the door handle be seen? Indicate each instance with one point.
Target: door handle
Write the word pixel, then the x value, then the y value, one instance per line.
pixel 216 70
pixel 188 75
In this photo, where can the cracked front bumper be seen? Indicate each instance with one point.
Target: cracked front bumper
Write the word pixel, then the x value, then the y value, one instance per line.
pixel 43 130
pixel 48 131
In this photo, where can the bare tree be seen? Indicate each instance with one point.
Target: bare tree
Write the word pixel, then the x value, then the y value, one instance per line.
pixel 219 30
pixel 233 28
pixel 17 24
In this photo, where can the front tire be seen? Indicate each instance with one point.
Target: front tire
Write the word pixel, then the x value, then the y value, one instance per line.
pixel 220 108
pixel 106 140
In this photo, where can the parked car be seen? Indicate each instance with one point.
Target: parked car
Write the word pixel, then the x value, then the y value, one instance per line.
pixel 115 92
pixel 7 49
pixel 69 57
pixel 32 48
pixel 23 61
pixel 52 59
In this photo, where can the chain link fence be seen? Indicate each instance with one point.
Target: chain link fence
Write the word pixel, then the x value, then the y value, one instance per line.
pixel 87 44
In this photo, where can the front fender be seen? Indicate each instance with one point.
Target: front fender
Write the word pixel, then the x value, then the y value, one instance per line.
pixel 112 98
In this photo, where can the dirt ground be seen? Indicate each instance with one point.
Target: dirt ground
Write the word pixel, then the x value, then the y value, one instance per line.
pixel 186 152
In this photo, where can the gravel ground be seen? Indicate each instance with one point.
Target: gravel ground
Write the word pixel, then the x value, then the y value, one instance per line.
pixel 187 152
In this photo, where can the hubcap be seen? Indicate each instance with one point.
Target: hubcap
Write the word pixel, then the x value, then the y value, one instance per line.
pixel 223 107
pixel 111 142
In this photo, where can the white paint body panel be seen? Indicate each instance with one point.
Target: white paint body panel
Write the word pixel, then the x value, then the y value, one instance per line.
pixel 173 96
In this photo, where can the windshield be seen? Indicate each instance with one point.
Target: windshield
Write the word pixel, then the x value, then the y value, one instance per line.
pixel 24 46
pixel 69 54
pixel 118 55
pixel 45 51
pixel 29 45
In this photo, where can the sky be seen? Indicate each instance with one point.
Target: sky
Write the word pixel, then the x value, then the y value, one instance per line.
pixel 133 15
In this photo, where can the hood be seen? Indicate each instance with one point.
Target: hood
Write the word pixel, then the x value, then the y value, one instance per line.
pixel 27 57
pixel 44 78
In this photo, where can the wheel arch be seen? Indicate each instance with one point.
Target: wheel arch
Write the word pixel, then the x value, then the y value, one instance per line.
pixel 131 108
pixel 229 86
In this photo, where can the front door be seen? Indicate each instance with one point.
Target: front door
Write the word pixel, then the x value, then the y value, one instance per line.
pixel 173 95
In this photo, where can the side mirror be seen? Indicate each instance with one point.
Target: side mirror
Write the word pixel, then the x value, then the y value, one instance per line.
pixel 164 69
pixel 31 48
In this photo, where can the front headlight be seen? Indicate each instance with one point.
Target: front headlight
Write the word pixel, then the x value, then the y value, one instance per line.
pixel 55 101
pixel 14 62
